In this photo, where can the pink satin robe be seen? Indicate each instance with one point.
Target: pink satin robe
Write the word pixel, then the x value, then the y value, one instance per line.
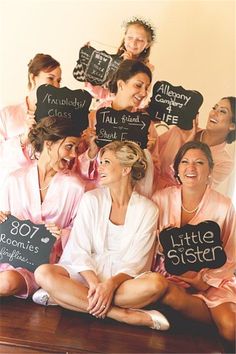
pixel 213 206
pixel 21 196
pixel 13 156
pixel 169 144
pixel 98 92
pixel 12 123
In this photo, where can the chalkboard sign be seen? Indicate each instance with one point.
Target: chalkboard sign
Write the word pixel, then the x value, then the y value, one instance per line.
pixel 95 66
pixel 174 105
pixel 24 244
pixel 192 247
pixel 63 102
pixel 121 125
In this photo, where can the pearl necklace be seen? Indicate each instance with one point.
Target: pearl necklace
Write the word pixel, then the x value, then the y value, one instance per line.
pixel 189 211
pixel 43 189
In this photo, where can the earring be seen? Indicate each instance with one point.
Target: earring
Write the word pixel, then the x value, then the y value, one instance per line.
pixel 209 179
pixel 177 178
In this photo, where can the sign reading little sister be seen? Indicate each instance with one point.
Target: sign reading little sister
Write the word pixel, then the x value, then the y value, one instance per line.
pixel 24 244
pixel 174 105
pixel 192 247
pixel 121 125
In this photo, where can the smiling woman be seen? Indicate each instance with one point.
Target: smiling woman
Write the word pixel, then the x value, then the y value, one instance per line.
pixel 111 245
pixel 205 293
pixel 221 124
pixel 130 86
pixel 45 192
pixel 136 45
pixel 17 120
pixel 219 131
pixel 112 157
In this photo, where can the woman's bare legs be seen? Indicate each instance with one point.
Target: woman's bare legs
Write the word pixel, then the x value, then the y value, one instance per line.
pixel 224 317
pixel 67 292
pixel 190 306
pixel 193 307
pixel 72 294
pixel 136 293
pixel 141 291
pixel 12 283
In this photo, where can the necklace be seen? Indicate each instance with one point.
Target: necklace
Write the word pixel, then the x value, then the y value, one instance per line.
pixel 44 188
pixel 189 211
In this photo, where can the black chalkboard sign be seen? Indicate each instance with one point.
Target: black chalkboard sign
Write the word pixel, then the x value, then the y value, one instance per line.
pixel 24 244
pixel 192 247
pixel 121 125
pixel 63 102
pixel 95 66
pixel 174 105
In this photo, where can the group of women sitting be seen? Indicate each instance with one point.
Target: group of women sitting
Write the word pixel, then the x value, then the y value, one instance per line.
pixel 107 207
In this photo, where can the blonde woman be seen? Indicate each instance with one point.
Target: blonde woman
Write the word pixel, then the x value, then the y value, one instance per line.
pixel 111 245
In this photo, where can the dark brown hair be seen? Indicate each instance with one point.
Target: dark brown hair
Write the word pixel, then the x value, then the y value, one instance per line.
pixel 41 62
pixel 192 145
pixel 51 129
pixel 127 69
pixel 232 134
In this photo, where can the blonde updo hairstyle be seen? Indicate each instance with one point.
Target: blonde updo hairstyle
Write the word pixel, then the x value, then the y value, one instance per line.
pixel 129 154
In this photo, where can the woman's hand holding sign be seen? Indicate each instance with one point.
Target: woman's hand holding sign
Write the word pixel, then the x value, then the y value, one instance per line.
pixel 90 137
pixel 3 216
pixel 54 229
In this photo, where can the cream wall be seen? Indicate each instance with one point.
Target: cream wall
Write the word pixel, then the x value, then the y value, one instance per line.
pixel 195 44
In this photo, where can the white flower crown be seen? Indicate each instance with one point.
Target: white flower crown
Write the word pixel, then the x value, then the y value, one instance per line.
pixel 147 24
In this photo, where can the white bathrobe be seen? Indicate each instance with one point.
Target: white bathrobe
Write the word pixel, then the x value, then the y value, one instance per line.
pixel 87 247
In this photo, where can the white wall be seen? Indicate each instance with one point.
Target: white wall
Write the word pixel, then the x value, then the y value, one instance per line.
pixel 195 44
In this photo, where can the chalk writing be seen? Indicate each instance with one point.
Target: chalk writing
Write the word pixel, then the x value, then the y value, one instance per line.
pixel 24 244
pixel 65 103
pixel 121 125
pixel 95 66
pixel 192 247
pixel 174 105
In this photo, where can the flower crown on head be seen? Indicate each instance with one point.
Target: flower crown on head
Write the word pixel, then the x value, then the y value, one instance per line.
pixel 146 24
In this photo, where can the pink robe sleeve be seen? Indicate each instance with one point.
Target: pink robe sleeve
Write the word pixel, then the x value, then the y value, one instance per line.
pixel 21 197
pixel 215 277
pixel 223 166
pixel 85 167
pixel 98 92
pixel 12 148
pixel 12 156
